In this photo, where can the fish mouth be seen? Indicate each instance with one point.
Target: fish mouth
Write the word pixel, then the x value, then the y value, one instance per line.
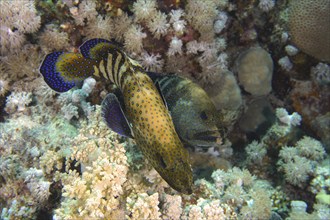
pixel 206 139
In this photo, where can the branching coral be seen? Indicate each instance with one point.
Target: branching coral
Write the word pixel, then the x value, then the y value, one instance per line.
pixel 104 168
pixel 144 206
pixel 103 176
pixel 74 100
pixel 18 102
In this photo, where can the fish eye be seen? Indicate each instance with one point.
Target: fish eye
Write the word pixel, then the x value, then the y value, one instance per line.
pixel 203 115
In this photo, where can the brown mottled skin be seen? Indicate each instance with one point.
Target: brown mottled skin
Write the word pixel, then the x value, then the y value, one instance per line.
pixel 154 131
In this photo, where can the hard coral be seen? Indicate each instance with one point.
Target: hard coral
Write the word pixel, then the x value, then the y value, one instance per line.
pixel 309 27
pixel 255 71
pixel 18 102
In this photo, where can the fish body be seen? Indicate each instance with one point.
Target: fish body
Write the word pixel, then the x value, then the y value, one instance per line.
pixel 142 115
pixel 194 115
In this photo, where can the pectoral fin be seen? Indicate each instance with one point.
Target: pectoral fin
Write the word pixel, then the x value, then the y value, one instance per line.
pixel 160 93
pixel 114 116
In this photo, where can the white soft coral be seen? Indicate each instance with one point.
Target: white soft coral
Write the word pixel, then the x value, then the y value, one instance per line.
pixel 266 5
pixel 177 24
pixel 133 39
pixel 152 62
pixel 17 18
pixel 175 46
pixel 158 24
pixel 144 9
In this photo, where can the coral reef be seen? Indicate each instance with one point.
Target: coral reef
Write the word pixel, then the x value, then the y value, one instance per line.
pixel 58 159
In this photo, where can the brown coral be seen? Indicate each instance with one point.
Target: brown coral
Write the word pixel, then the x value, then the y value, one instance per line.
pixel 309 26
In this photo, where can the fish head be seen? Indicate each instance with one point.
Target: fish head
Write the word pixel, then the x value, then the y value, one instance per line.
pixel 196 120
pixel 174 168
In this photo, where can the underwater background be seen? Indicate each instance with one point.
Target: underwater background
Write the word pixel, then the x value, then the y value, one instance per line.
pixel 263 63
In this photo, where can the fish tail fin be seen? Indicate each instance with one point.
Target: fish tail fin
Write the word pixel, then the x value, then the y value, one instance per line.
pixel 98 48
pixel 62 70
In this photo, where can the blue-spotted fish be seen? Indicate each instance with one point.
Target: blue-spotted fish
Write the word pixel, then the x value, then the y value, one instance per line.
pixel 142 115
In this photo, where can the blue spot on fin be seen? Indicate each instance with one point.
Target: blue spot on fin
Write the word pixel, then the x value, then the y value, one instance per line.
pixel 51 76
pixel 114 116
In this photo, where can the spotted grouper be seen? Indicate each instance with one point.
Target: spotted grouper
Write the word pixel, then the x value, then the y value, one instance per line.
pixel 195 117
pixel 142 115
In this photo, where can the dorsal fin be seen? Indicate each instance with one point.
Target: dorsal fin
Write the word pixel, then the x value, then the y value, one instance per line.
pixel 114 116
pixel 97 48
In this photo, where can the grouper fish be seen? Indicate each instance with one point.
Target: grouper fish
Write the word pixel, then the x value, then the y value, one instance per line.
pixel 194 115
pixel 142 115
